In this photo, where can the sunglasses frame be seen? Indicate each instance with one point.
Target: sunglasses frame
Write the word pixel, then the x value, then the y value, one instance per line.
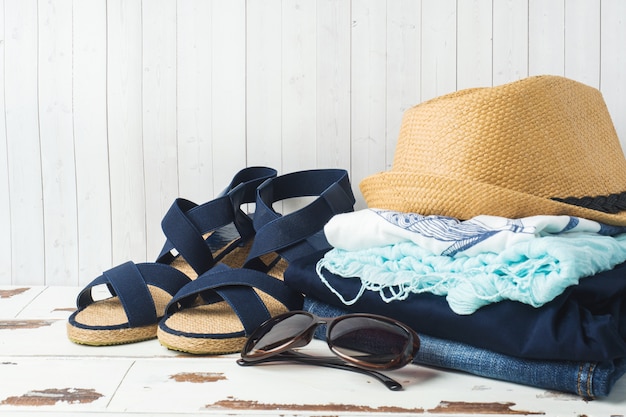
pixel 328 362
pixel 304 337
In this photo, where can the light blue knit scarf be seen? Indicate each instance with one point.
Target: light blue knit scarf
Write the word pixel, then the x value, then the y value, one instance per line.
pixel 532 272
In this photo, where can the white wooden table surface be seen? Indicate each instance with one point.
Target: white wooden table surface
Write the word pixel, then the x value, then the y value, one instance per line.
pixel 44 374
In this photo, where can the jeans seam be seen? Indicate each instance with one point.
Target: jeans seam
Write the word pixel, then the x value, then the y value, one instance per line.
pixel 578 387
pixel 589 380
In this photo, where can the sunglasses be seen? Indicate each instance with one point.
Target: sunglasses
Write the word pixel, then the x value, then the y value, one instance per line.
pixel 364 343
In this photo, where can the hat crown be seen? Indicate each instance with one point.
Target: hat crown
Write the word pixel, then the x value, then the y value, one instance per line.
pixel 545 135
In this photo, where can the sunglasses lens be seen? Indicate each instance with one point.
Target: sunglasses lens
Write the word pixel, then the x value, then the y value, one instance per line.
pixel 370 342
pixel 276 334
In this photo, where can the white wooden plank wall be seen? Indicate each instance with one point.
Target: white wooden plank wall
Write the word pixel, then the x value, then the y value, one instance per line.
pixel 112 108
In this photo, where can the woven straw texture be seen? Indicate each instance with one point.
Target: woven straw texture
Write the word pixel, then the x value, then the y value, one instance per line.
pixel 505 151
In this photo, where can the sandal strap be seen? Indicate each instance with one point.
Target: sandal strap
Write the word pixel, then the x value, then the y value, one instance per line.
pixel 184 225
pixel 236 287
pixel 185 222
pixel 276 232
pixel 248 180
pixel 129 282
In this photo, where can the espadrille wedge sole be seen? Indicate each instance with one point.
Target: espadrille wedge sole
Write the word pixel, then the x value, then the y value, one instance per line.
pixel 215 313
pixel 198 236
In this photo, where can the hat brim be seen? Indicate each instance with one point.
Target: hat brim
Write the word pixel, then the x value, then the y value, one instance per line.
pixel 464 199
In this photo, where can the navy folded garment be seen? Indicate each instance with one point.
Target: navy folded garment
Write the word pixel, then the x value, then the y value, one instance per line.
pixel 587 322
pixel 586 379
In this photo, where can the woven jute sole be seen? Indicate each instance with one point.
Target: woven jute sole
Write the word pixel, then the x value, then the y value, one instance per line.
pixel 110 337
pixel 97 318
pixel 205 329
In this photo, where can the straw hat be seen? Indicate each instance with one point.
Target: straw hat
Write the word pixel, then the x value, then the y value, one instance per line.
pixel 541 145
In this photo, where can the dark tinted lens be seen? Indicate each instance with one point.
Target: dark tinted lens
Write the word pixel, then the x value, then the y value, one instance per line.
pixel 369 340
pixel 277 333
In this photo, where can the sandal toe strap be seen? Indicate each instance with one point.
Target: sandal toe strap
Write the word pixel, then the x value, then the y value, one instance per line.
pixel 236 287
pixel 129 282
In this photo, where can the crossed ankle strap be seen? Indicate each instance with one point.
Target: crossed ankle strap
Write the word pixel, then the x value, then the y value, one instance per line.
pixel 185 223
pixel 291 234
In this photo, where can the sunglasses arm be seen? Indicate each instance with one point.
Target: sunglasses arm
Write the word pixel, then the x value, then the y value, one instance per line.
pixel 328 363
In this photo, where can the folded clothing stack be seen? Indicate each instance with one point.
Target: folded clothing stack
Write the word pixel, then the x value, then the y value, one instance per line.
pixel 501 241
pixel 575 343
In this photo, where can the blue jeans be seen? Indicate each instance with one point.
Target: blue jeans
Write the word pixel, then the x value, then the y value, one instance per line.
pixel 586 379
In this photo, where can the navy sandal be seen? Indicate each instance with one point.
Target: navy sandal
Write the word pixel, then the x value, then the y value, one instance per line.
pixel 215 313
pixel 198 237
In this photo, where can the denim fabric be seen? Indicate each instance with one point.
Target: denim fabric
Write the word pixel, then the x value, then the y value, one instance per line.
pixel 587 323
pixel 586 379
